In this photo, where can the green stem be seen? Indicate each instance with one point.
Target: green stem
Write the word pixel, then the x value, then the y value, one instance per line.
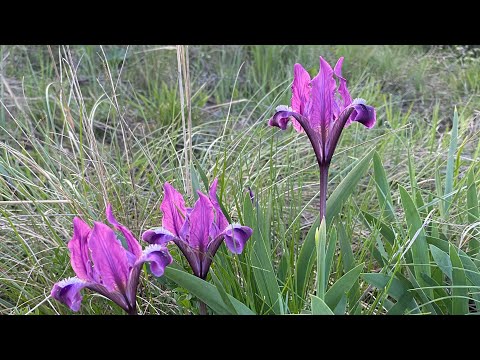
pixel 202 308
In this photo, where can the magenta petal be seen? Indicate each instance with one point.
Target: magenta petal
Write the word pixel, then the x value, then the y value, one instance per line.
pixel 173 208
pixel 236 236
pixel 157 236
pixel 323 87
pixel 342 87
pixel 68 292
pixel 109 257
pixel 158 257
pixel 79 253
pixel 201 219
pixel 221 221
pixel 300 93
pixel 133 246
pixel 364 114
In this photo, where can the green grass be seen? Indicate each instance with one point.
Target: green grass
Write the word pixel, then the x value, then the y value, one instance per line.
pixel 82 125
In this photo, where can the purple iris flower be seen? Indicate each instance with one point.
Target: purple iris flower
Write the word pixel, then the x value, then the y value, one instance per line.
pixel 199 231
pixel 322 109
pixel 103 265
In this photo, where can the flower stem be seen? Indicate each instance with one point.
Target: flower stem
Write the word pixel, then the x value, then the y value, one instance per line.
pixel 323 190
pixel 202 308
pixel 133 311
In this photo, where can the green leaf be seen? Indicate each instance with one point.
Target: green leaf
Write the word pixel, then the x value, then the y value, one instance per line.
pixel 419 248
pixel 472 273
pixel 341 193
pixel 442 259
pixel 443 300
pixel 472 199
pixel 385 229
pixel 195 183
pixel 348 261
pixel 451 161
pixel 319 307
pixel 223 293
pixel 320 240
pixel 459 284
pixel 383 189
pixel 206 292
pixel 335 201
pixel 341 307
pixel 396 289
pixel 260 256
pixel 330 254
pixel 472 211
pixel 306 260
pixel 342 286
pixel 201 172
pixel 412 284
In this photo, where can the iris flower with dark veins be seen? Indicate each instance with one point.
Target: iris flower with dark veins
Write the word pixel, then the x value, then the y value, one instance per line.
pixel 199 231
pixel 322 110
pixel 103 265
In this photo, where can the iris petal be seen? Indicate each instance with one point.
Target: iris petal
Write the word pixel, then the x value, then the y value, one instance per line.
pixel 133 246
pixel 221 221
pixel 173 208
pixel 68 292
pixel 109 257
pixel 157 236
pixel 300 93
pixel 342 87
pixel 201 219
pixel 79 253
pixel 323 87
pixel 236 236
pixel 158 257
pixel 364 114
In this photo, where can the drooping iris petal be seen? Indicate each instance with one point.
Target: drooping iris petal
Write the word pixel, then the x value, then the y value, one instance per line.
pixel 173 208
pixel 201 218
pixel 68 292
pixel 280 119
pixel 342 87
pixel 236 236
pixel 158 257
pixel 109 257
pixel 300 93
pixel 323 87
pixel 364 114
pixel 157 236
pixel 221 221
pixel 79 252
pixel 133 246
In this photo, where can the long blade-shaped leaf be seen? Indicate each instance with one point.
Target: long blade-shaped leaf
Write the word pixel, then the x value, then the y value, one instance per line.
pixel 419 247
pixel 342 286
pixel 383 189
pixel 260 255
pixel 319 307
pixel 205 292
pixel 459 284
pixel 451 161
pixel 306 257
pixel 320 242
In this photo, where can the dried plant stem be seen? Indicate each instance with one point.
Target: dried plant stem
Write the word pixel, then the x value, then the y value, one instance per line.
pixel 184 85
